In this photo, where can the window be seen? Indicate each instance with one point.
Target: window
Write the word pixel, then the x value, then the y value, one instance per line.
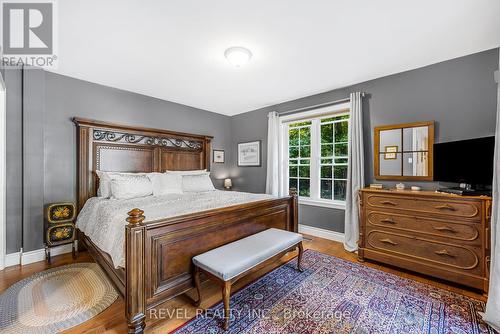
pixel 315 154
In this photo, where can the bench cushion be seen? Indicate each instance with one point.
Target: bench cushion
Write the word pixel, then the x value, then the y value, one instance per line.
pixel 228 261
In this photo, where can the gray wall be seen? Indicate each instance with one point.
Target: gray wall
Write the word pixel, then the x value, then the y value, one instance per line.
pixel 48 102
pixel 14 174
pixel 459 94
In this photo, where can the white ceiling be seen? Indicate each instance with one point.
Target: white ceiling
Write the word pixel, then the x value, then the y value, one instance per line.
pixel 174 50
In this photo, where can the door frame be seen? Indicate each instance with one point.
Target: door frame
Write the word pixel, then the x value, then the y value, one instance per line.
pixel 3 158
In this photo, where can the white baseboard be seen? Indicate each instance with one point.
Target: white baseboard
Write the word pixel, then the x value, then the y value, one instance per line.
pixel 34 256
pixel 322 233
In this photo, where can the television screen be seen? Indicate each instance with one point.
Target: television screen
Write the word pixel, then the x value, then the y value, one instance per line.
pixel 465 161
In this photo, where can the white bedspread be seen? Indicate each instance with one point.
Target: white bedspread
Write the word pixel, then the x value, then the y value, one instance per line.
pixel 104 220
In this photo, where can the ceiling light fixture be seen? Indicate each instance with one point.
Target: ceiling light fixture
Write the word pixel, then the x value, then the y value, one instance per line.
pixel 238 56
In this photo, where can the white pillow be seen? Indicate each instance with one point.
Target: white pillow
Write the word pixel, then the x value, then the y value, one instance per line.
pixel 105 178
pixel 186 172
pixel 197 183
pixel 164 183
pixel 130 186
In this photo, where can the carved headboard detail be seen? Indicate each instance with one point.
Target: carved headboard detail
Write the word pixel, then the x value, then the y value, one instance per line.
pixel 120 148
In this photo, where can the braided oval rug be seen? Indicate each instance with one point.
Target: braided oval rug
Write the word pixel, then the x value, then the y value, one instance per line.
pixel 56 299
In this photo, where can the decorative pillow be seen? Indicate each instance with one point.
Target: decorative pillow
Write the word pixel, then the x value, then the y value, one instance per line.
pixel 130 186
pixel 197 183
pixel 187 172
pixel 164 183
pixel 105 178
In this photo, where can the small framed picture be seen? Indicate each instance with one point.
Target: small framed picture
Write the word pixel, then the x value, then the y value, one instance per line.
pixel 390 152
pixel 249 154
pixel 219 156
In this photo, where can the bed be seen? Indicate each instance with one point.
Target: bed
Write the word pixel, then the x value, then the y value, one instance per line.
pixel 158 250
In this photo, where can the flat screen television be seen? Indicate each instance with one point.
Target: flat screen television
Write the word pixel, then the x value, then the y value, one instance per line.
pixel 465 161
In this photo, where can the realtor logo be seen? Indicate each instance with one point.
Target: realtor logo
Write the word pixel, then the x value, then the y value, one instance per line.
pixel 27 28
pixel 28 33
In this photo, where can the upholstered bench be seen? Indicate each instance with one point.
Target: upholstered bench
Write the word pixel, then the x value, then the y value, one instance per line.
pixel 228 263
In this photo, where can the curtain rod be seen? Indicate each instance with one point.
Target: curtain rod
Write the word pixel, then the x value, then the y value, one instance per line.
pixel 326 104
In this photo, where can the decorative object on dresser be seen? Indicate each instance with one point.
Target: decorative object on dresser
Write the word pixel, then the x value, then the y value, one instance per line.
pixel 59 226
pixel 440 235
pixel 404 151
pixel 228 184
pixel 219 156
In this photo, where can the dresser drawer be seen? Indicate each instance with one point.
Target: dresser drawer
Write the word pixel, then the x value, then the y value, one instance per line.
pixel 438 253
pixel 451 230
pixel 449 207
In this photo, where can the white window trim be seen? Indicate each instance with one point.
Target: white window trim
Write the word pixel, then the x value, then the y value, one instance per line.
pixel 337 109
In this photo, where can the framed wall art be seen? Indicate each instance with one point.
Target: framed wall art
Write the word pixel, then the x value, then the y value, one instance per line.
pixel 249 154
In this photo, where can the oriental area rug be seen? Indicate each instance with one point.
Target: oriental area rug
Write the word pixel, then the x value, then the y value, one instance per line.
pixel 337 296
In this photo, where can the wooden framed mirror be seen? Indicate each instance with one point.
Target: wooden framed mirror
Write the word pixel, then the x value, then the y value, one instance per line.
pixel 404 151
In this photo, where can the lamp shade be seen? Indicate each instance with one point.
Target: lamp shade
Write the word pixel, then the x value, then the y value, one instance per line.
pixel 228 183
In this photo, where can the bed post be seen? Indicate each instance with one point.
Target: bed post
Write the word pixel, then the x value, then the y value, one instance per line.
pixel 135 291
pixel 295 209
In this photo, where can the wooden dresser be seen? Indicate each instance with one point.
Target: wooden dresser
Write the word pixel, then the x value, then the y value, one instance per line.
pixel 445 236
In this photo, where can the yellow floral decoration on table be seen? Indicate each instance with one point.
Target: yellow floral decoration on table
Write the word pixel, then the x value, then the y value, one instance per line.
pixel 62 233
pixel 61 212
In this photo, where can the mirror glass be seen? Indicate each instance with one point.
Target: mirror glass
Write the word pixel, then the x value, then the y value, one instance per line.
pixel 404 152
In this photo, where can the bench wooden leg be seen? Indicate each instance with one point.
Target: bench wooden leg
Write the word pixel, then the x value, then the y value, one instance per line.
pixel 299 258
pixel 196 277
pixel 226 296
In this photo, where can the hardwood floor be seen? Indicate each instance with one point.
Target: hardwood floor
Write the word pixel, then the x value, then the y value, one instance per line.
pixel 177 311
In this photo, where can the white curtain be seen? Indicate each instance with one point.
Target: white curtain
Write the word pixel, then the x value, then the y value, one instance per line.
pixel 492 315
pixel 355 173
pixel 273 178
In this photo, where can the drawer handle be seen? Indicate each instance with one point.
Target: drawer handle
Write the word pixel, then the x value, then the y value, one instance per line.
pixel 444 252
pixel 388 241
pixel 445 207
pixel 388 221
pixel 389 203
pixel 444 228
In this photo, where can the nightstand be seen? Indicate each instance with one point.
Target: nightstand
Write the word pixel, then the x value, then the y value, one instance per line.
pixel 59 227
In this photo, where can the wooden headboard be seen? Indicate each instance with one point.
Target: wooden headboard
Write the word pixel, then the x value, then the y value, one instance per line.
pixel 120 148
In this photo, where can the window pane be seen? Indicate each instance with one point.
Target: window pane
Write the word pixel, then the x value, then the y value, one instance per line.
pixel 339 190
pixel 326 172
pixel 300 124
pixel 340 172
pixel 305 151
pixel 326 150
pixel 293 137
pixel 326 161
pixel 293 152
pixel 305 136
pixel 304 187
pixel 304 171
pixel 293 162
pixel 341 161
pixel 326 189
pixel 292 183
pixel 327 133
pixel 293 171
pixel 305 161
pixel 341 149
pixel 335 118
pixel 341 132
